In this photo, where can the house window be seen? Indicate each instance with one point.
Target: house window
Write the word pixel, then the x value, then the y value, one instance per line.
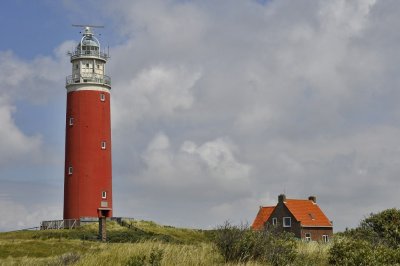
pixel 274 221
pixel 103 145
pixel 325 238
pixel 287 222
pixel 103 194
pixel 70 170
pixel 102 97
pixel 76 66
pixel 87 65
pixel 308 237
pixel 71 121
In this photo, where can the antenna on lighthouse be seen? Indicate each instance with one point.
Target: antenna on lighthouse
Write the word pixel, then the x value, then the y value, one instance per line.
pixel 84 26
pixel 88 28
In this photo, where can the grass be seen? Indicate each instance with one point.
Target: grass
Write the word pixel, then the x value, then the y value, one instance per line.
pixel 178 234
pixel 136 241
pixel 173 254
pixel 312 253
pixel 41 248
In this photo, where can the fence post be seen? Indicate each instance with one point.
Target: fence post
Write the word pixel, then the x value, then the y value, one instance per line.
pixel 102 229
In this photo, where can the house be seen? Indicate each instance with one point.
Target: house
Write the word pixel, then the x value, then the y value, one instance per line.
pixel 302 217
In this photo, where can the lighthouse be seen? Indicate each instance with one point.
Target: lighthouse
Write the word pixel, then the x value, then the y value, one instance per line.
pixel 88 173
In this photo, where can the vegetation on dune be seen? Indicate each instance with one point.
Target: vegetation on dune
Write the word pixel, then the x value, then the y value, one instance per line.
pixel 169 233
pixel 376 241
pixel 241 244
pixel 139 243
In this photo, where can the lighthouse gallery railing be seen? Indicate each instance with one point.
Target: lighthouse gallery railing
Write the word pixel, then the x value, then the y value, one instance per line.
pixel 88 77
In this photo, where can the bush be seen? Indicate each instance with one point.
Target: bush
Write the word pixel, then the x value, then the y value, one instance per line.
pixel 154 259
pixel 386 226
pixel 382 228
pixel 241 244
pixel 376 241
pixel 348 251
pixel 138 260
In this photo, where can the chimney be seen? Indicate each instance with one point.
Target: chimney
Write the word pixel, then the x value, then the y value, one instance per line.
pixel 313 199
pixel 281 198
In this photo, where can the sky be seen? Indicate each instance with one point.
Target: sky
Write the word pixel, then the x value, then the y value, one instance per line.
pixel 217 107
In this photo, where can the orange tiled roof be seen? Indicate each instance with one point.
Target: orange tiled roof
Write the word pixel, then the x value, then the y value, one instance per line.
pixel 307 212
pixel 262 216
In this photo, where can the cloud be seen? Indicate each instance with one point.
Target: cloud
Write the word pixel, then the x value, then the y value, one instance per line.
pixel 218 108
pixel 157 91
pixel 26 82
pixel 211 167
pixel 26 204
pixel 19 147
pixel 35 80
pixel 189 178
pixel 19 216
pixel 299 88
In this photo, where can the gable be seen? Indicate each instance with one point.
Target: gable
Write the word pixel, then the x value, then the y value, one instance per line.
pixel 262 216
pixel 307 213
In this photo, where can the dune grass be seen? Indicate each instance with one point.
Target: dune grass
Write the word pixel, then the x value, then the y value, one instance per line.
pixel 179 234
pixel 312 253
pixel 137 244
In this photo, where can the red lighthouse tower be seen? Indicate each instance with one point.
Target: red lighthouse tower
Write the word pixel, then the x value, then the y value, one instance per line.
pixel 88 176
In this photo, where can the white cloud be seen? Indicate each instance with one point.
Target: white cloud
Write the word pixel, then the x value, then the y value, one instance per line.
pixel 26 204
pixel 212 164
pixel 15 144
pixel 157 91
pixel 299 88
pixel 35 80
pixel 20 216
pixel 303 93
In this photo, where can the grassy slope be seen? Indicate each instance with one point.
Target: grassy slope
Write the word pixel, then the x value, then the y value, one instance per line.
pixel 178 246
pixel 137 239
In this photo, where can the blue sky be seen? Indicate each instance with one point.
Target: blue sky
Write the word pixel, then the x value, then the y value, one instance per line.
pixel 216 108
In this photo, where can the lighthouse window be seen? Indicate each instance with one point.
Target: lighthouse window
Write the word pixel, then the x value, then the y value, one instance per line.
pixel 76 66
pixel 103 194
pixel 103 145
pixel 102 97
pixel 70 170
pixel 71 121
pixel 87 65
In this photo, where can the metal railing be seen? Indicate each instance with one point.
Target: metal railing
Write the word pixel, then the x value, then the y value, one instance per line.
pixel 59 224
pixel 88 78
pixel 90 53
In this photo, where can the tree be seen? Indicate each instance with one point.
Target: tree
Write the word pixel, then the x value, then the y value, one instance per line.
pixel 385 226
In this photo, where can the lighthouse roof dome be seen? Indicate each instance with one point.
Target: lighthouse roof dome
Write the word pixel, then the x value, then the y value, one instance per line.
pixel 88 39
pixel 89 42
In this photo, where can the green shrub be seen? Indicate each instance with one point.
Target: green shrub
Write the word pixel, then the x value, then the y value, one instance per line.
pixel 280 248
pixel 154 259
pixel 241 244
pixel 382 228
pixel 349 251
pixel 386 225
pixel 156 256
pixel 138 260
